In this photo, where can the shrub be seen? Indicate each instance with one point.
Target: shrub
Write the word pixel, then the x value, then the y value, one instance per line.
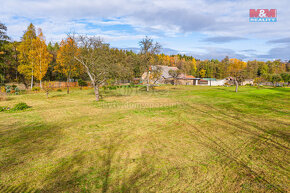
pixel 3 89
pixel 112 87
pixel 5 108
pixel 47 87
pixel 22 91
pixel 59 90
pixel 16 89
pixel 20 106
pixel 82 83
pixel 8 87
pixel 227 84
pixel 36 89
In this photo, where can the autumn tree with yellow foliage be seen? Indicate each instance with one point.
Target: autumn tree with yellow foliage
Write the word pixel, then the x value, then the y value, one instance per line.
pixel 39 56
pixel 66 63
pixel 202 73
pixel 236 69
pixel 193 62
pixel 26 67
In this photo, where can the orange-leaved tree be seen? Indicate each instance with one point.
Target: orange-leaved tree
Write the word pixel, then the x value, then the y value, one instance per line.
pixel 66 62
pixel 40 56
pixel 236 69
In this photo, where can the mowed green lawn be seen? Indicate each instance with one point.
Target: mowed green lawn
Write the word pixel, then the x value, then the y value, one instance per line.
pixel 175 139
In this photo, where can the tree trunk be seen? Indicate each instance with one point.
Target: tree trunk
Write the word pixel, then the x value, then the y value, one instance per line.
pixel 23 80
pixel 97 94
pixel 237 85
pixel 68 78
pixel 31 80
pixel 40 83
pixel 40 71
pixel 67 84
pixel 148 81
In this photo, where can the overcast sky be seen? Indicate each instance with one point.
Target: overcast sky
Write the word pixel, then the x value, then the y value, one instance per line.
pixel 205 29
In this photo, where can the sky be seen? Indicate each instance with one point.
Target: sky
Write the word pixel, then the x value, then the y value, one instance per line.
pixel 205 29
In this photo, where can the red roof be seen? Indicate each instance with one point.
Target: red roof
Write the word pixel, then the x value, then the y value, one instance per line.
pixel 183 76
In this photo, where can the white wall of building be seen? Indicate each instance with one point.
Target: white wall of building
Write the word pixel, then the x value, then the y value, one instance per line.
pixel 217 82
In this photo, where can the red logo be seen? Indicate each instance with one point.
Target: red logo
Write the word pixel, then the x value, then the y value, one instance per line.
pixel 263 13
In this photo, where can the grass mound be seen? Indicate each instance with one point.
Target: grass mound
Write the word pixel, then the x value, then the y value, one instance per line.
pixel 20 106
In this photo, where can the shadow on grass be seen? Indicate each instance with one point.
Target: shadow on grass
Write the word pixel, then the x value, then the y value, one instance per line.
pixel 57 96
pixel 9 98
pixel 106 169
pixel 280 89
pixel 17 189
pixel 65 176
pixel 115 171
pixel 21 143
pixel 132 92
pixel 229 89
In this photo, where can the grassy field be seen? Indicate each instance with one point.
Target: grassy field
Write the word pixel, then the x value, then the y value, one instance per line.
pixel 175 139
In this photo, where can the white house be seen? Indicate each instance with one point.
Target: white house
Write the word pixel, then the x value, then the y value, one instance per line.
pixel 211 82
pixel 164 74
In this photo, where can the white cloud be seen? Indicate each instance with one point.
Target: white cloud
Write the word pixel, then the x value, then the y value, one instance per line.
pixel 162 18
pixel 218 17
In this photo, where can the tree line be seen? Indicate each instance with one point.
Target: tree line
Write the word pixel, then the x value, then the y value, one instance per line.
pixel 31 60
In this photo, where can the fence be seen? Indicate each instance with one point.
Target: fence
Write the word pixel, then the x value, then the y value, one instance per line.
pixel 58 84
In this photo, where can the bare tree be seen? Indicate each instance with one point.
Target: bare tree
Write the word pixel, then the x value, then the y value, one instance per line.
pixel 47 87
pixel 148 51
pixel 174 74
pixel 98 60
pixel 156 73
